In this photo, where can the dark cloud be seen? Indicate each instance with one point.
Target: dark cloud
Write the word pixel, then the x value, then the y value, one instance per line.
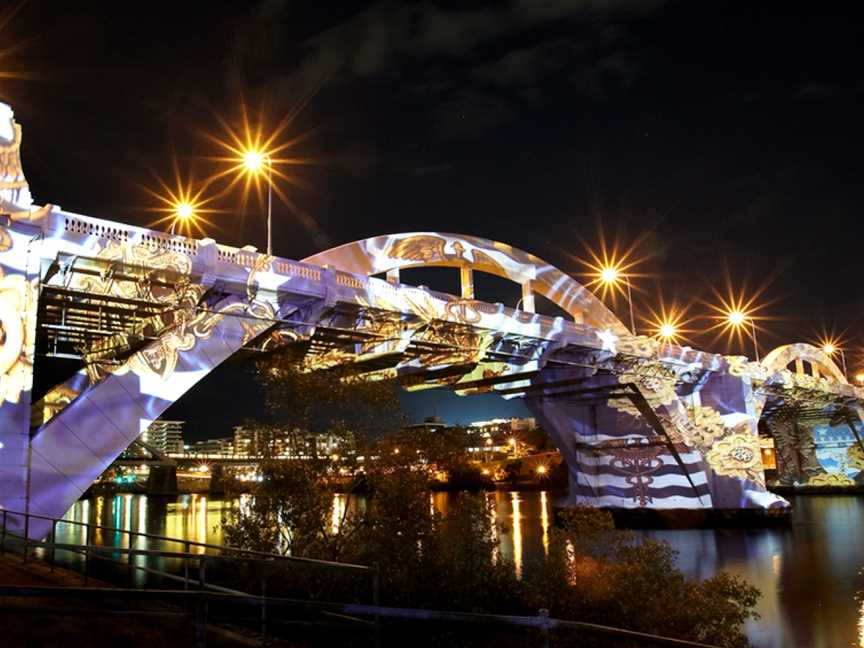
pixel 380 39
pixel 470 113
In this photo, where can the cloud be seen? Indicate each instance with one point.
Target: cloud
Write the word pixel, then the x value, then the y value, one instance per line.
pixel 470 113
pixel 385 36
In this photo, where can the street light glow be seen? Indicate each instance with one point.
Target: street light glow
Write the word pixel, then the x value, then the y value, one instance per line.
pixel 667 331
pixel 253 160
pixel 830 348
pixel 859 378
pixel 182 205
pixel 185 210
pixel 610 275
pixel 736 317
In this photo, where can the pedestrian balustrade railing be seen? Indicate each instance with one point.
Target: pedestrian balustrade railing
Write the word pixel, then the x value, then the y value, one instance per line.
pixel 207 604
pixel 184 562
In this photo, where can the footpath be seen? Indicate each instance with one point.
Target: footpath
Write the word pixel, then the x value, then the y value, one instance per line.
pixel 28 622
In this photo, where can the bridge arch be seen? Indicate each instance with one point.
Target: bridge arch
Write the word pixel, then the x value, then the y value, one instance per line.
pixel 394 252
pixel 793 356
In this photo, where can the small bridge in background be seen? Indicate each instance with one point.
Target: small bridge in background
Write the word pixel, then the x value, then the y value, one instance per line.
pixel 142 316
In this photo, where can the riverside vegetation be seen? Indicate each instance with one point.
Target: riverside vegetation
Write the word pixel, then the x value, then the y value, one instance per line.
pixel 592 572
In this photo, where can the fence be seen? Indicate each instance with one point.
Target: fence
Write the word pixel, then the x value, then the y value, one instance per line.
pixel 265 612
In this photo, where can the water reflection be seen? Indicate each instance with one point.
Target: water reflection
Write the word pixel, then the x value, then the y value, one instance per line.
pixel 809 572
pixel 861 626
pixel 544 521
pixel 517 534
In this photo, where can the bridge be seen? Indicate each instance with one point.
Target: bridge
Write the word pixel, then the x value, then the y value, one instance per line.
pixel 141 316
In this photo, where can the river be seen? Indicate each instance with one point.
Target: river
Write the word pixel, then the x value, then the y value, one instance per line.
pixel 809 573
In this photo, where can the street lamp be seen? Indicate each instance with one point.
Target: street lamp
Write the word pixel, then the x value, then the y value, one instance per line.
pixel 737 319
pixel 254 162
pixel 183 211
pixel 667 332
pixel 829 348
pixel 859 378
pixel 611 276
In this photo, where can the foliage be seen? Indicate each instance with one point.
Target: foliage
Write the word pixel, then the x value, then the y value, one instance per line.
pixel 333 402
pixel 592 572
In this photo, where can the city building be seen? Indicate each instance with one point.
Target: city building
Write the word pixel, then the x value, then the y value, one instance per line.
pixel 498 436
pixel 223 447
pixel 429 424
pixel 164 436
pixel 258 442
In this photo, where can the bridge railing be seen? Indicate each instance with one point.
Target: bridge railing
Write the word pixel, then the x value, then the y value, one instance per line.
pixel 270 611
pixel 190 565
pixel 324 622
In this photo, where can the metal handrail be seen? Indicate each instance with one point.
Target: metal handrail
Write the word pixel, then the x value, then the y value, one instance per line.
pixel 88 550
pixel 187 543
pixel 542 621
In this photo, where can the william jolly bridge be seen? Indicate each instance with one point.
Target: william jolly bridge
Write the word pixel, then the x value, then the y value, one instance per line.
pixel 142 316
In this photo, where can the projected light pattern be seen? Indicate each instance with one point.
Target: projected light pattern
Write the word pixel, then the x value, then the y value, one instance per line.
pixel 641 423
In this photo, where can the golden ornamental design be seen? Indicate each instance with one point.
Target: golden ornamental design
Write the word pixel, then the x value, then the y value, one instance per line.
pixel 17 328
pixel 738 455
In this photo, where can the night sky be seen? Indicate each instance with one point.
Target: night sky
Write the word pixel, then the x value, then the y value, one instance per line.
pixel 724 139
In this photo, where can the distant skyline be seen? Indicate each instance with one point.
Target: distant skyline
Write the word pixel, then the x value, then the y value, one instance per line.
pixel 681 126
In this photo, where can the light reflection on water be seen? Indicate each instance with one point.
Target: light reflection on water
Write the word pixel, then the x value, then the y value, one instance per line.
pixel 809 572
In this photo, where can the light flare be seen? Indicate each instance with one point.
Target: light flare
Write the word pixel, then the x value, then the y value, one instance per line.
pixel 182 207
pixel 256 161
pixel 736 315
pixel 670 324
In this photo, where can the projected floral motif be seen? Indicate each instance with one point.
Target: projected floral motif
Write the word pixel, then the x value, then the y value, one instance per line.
pixel 830 479
pixel 16 336
pixel 738 455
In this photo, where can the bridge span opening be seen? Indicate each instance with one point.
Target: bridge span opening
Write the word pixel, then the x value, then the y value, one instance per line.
pixel 141 316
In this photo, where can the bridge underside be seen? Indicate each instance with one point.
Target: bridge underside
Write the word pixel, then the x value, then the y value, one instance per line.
pixel 138 317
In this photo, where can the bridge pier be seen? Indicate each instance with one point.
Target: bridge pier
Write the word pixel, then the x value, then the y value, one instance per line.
pixel 217 479
pixel 636 441
pixel 162 480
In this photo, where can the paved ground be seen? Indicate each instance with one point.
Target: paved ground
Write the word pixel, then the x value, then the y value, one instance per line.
pixel 40 623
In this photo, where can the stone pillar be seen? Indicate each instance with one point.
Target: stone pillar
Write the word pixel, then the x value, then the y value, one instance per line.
pixel 217 479
pixel 783 430
pixel 162 480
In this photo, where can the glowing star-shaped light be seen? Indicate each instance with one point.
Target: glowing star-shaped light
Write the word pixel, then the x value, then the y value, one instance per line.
pixel 609 340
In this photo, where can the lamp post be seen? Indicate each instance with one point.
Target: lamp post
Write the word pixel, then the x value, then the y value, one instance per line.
pixel 611 275
pixel 738 319
pixel 253 161
pixel 183 212
pixel 667 332
pixel 830 349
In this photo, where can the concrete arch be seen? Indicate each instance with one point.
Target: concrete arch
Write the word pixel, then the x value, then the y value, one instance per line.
pixel 780 358
pixel 393 252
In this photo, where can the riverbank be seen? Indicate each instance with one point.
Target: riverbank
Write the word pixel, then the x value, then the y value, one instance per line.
pixel 70 623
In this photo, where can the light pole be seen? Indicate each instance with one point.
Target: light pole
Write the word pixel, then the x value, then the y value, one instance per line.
pixel 738 319
pixel 830 349
pixel 183 212
pixel 667 332
pixel 253 161
pixel 611 275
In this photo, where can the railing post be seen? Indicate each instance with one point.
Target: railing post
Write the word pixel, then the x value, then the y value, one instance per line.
pixel 186 566
pixel 26 536
pixel 87 554
pixel 200 622
pixel 53 542
pixel 376 600
pixel 543 616
pixel 202 571
pixel 264 602
pixel 129 565
pixel 3 536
